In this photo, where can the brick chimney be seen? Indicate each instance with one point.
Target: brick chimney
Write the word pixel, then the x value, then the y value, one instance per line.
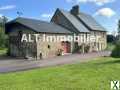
pixel 75 10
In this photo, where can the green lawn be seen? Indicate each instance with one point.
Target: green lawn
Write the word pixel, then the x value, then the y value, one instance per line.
pixel 93 75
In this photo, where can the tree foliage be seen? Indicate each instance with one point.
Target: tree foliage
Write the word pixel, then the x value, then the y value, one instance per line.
pixel 3 37
pixel 119 26
pixel 118 37
pixel 116 50
pixel 111 39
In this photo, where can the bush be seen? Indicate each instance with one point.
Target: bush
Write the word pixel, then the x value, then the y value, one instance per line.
pixel 3 39
pixel 110 46
pixel 116 50
pixel 87 48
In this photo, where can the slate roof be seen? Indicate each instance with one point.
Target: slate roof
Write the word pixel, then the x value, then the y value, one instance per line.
pixel 83 22
pixel 75 22
pixel 39 26
pixel 90 22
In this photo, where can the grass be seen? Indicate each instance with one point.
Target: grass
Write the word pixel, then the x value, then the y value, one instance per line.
pixel 3 51
pixel 93 75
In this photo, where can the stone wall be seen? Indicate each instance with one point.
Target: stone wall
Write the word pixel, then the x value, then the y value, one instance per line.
pixel 18 48
pixel 96 40
pixel 48 48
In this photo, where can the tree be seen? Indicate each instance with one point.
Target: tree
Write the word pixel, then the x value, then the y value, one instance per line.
pixel 3 37
pixel 111 38
pixel 118 30
pixel 116 50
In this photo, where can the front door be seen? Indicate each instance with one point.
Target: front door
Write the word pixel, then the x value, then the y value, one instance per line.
pixel 66 47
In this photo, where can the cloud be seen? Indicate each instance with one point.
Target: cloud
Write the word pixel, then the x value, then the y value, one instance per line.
pixel 114 33
pixel 1 15
pixel 107 12
pixel 102 2
pixel 116 20
pixel 98 2
pixel 46 15
pixel 8 7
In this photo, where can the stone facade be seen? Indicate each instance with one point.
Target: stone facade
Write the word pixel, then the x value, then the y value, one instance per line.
pixel 96 41
pixel 33 49
pixel 50 48
pixel 18 48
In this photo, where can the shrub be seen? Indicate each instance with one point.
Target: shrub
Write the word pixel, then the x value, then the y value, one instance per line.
pixel 87 48
pixel 116 50
pixel 110 46
pixel 3 39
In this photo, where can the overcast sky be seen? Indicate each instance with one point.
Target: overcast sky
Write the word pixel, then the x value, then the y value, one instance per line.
pixel 106 12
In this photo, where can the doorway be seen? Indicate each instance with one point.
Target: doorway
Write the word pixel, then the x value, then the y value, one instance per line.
pixel 66 46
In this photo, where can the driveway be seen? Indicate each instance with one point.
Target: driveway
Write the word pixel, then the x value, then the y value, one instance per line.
pixel 13 65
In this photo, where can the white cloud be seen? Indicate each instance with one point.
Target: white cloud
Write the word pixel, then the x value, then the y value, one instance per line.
pixel 107 12
pixel 1 15
pixel 116 20
pixel 98 2
pixel 102 2
pixel 114 33
pixel 7 7
pixel 46 15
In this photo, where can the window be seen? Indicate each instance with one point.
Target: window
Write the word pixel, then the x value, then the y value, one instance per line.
pixel 49 47
pixel 76 38
pixel 20 34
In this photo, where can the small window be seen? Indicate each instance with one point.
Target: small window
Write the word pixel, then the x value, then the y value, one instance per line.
pixel 49 47
pixel 20 33
pixel 76 38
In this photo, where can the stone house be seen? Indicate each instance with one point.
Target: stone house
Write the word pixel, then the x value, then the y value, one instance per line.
pixel 84 25
pixel 63 23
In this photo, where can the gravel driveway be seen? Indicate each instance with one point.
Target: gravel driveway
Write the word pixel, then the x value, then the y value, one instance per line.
pixel 12 65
